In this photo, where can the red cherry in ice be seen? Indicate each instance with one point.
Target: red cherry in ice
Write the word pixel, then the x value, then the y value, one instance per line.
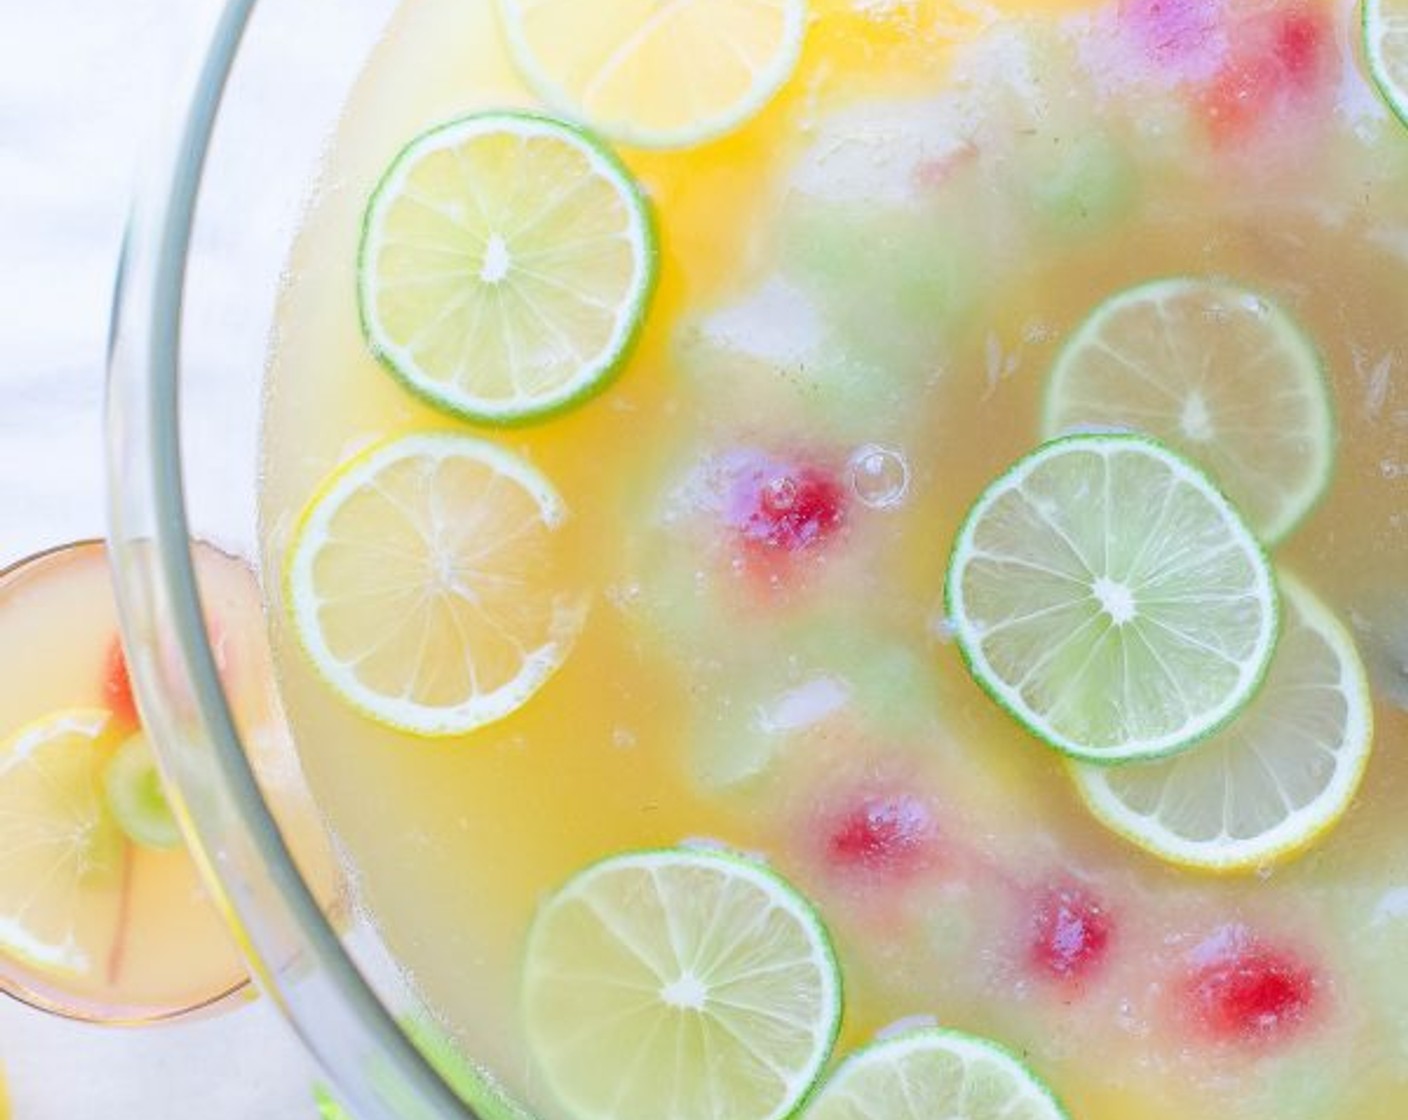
pixel 1299 49
pixel 786 507
pixel 1241 989
pixel 1240 95
pixel 884 835
pixel 117 686
pixel 1070 933
pixel 1284 63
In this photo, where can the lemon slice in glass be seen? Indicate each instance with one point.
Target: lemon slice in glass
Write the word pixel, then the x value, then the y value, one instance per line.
pixel 425 583
pixel 60 849
pixel 929 1073
pixel 1272 782
pixel 1385 30
pixel 1107 596
pixel 1222 374
pixel 658 75
pixel 685 984
pixel 505 267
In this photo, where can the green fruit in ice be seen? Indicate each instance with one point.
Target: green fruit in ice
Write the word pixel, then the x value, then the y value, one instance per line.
pixel 1082 183
pixel 132 785
pixel 775 353
pixel 752 709
pixel 893 283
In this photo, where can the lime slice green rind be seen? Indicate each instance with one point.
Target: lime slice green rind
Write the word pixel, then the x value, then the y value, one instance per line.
pixel 1063 622
pixel 1385 42
pixel 1264 428
pixel 932 1072
pixel 594 375
pixel 1266 770
pixel 621 1025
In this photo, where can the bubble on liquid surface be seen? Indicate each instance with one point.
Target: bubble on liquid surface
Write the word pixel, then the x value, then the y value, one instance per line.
pixel 879 476
pixel 941 628
pixel 623 738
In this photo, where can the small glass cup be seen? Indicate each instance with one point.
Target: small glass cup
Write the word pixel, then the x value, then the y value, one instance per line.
pixel 201 265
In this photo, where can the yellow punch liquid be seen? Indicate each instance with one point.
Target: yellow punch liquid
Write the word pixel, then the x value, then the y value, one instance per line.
pixel 862 288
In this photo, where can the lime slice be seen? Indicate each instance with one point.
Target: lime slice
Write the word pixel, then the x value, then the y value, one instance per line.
pixel 1271 783
pixel 658 75
pixel 929 1073
pixel 423 583
pixel 135 796
pixel 1385 25
pixel 56 838
pixel 687 984
pixel 505 266
pixel 1108 597
pixel 1220 373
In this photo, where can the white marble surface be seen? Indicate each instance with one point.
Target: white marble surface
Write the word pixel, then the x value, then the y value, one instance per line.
pixel 78 79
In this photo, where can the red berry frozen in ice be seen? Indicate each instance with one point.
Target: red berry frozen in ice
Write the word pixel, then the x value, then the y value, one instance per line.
pixel 886 835
pixel 1282 63
pixel 785 507
pixel 1241 989
pixel 1300 48
pixel 1070 932
pixel 1240 95
pixel 937 171
pixel 117 686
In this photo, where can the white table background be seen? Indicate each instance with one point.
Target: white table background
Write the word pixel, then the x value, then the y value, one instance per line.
pixel 78 81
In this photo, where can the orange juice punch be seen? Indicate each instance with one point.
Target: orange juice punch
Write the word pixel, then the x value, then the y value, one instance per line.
pixel 858 548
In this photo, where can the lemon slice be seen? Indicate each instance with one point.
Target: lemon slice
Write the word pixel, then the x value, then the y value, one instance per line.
pixel 1275 780
pixel 656 74
pixel 1108 597
pixel 59 847
pixel 683 984
pixel 423 583
pixel 1222 374
pixel 929 1073
pixel 1385 28
pixel 505 267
